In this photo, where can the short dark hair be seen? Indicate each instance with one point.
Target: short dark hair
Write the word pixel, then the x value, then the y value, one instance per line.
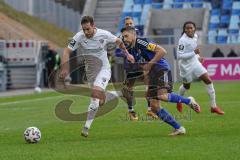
pixel 87 19
pixel 128 28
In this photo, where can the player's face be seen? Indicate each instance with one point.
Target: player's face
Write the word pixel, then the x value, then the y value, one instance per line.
pixel 88 30
pixel 128 38
pixel 190 30
pixel 129 22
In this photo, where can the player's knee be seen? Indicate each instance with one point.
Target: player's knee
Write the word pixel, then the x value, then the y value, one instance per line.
pixel 98 95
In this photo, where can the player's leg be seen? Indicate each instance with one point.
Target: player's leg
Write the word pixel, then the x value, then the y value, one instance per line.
pixel 187 79
pixel 211 92
pixel 98 96
pixel 127 93
pixel 202 74
pixel 167 117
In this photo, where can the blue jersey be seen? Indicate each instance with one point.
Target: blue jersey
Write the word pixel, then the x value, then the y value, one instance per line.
pixel 143 52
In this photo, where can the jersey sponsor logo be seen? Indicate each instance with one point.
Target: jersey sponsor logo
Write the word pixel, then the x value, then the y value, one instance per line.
pixel 72 43
pixel 151 46
pixel 181 47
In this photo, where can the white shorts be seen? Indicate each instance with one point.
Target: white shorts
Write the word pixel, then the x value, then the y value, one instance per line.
pixel 197 70
pixel 102 79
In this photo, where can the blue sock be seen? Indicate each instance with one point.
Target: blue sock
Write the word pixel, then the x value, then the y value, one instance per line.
pixel 166 117
pixel 175 98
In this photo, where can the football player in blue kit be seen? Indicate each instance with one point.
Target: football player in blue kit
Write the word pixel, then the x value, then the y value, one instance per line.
pixel 149 56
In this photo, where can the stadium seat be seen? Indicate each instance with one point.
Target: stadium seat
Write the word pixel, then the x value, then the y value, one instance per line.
pixel 213 26
pixel 225 19
pixel 148 1
pixel 137 11
pixel 222 32
pixel 157 5
pixel 167 4
pixel 215 12
pixel 214 19
pixel 212 34
pixel 236 12
pixel 227 4
pixel 178 4
pixel 236 5
pixel 144 16
pixel 222 39
pixel 139 1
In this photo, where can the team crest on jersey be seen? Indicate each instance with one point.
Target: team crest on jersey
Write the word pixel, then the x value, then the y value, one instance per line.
pixel 181 47
pixel 101 41
pixel 72 43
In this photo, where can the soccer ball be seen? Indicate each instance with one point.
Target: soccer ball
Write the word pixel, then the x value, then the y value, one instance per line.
pixel 32 135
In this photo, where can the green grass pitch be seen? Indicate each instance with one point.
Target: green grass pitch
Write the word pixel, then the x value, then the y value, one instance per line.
pixel 113 136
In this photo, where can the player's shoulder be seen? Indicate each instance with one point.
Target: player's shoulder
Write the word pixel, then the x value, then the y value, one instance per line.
pixel 102 32
pixel 142 41
pixel 79 35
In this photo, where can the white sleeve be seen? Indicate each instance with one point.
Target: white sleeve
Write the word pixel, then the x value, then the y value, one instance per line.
pixel 182 53
pixel 111 38
pixel 74 43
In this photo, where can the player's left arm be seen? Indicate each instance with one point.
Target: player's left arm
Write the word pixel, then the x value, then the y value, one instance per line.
pixel 159 52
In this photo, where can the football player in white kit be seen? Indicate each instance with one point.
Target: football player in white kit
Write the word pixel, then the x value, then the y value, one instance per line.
pixel 190 65
pixel 92 42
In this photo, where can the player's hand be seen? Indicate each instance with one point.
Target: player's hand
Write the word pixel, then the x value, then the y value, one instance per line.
pixel 201 59
pixel 63 73
pixel 130 58
pixel 197 51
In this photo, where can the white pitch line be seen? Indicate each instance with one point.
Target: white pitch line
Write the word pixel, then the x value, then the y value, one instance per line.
pixel 34 100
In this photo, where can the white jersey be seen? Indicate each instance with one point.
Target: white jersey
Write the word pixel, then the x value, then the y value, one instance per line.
pixel 95 46
pixel 93 50
pixel 189 64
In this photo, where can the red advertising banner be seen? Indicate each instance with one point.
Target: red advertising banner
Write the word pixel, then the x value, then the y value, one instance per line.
pixel 223 68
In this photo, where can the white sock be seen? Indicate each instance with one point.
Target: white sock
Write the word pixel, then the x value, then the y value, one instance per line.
pixel 182 90
pixel 92 110
pixel 211 93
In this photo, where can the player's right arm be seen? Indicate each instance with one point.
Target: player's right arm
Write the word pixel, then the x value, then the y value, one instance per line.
pixel 182 52
pixel 73 45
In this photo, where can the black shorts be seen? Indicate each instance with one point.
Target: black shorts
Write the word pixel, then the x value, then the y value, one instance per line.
pixel 131 77
pixel 159 79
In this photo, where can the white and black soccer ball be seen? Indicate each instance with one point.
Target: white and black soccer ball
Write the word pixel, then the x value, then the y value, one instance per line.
pixel 32 135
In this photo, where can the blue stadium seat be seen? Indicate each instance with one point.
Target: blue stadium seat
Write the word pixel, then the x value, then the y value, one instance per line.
pixel 222 39
pixel 236 5
pixel 148 1
pixel 197 5
pixel 236 12
pixel 167 4
pixel 224 21
pixel 215 12
pixel 213 26
pixel 227 4
pixel 214 19
pixel 212 34
pixel 157 5
pixel 137 11
pixel 139 1
pixel 222 32
pixel 178 4
pixel 144 16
